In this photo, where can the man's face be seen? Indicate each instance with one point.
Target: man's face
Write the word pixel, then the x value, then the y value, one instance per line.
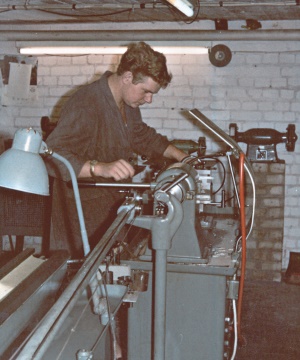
pixel 138 94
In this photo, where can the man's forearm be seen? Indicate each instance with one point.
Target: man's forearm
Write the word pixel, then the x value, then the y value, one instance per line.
pixel 173 152
pixel 118 170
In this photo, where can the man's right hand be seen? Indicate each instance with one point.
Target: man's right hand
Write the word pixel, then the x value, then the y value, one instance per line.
pixel 118 170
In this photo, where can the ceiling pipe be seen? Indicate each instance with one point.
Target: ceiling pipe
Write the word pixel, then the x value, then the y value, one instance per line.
pixel 153 35
pixel 128 5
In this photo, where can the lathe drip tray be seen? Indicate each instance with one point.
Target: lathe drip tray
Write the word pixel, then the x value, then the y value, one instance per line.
pixel 29 287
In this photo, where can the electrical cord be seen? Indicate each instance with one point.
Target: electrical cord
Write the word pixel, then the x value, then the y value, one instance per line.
pixel 192 159
pixel 243 239
pixel 125 245
pixel 224 175
pixel 251 221
pixel 85 15
pixel 235 329
pixel 110 319
pixel 196 15
pixel 73 329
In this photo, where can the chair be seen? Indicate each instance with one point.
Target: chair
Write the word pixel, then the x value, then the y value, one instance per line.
pixel 23 214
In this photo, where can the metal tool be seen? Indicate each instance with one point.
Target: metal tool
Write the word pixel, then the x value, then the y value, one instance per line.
pixel 262 142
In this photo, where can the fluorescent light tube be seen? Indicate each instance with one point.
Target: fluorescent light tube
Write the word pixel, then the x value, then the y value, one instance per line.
pixel 184 6
pixel 86 50
pixel 71 50
pixel 182 50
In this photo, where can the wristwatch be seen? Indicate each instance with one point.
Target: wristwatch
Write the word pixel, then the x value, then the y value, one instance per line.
pixel 92 167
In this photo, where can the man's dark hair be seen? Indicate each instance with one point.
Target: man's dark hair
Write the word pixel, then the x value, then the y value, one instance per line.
pixel 142 61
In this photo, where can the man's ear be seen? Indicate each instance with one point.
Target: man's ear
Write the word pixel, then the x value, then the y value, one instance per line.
pixel 127 77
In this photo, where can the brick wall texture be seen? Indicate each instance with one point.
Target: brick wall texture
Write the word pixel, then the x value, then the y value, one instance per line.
pixel 260 88
pixel 265 244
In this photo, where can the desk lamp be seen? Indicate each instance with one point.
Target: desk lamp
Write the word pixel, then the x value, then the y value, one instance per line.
pixel 23 169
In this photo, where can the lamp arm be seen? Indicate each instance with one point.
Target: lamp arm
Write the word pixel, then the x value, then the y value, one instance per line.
pixel 84 237
pixel 85 241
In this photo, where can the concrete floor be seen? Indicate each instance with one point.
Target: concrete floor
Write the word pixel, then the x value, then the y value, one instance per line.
pixel 270 321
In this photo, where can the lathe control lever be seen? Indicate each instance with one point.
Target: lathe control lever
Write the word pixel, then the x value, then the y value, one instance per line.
pixel 262 142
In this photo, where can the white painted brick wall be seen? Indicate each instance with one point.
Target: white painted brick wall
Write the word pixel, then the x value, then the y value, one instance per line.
pixel 259 88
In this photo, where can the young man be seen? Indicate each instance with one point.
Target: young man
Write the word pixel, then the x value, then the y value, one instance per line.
pixel 99 132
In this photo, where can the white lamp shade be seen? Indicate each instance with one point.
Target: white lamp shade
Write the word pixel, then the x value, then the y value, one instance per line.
pixel 21 167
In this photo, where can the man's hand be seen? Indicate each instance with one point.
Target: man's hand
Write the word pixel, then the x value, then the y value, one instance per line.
pixel 118 170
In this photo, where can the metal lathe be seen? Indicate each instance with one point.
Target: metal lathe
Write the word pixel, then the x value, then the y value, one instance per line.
pixel 164 281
